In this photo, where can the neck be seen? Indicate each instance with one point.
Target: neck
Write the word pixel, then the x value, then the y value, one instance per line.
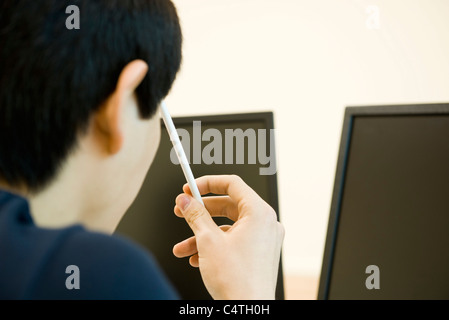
pixel 88 190
pixel 71 200
pixel 77 196
pixel 59 207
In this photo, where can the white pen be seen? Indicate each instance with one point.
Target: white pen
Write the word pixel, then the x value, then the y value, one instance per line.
pixel 174 137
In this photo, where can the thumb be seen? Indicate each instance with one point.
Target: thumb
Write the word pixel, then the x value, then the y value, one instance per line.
pixel 195 214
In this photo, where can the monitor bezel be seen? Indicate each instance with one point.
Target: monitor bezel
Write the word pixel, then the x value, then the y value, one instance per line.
pixel 345 141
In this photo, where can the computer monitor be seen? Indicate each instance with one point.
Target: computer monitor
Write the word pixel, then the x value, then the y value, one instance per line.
pixel 220 144
pixel 388 230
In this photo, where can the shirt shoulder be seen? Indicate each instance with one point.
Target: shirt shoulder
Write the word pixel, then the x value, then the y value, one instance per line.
pixel 72 262
pixel 90 265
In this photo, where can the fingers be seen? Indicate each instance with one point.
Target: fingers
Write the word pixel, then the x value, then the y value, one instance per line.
pixel 231 185
pixel 185 248
pixel 195 214
pixel 188 248
pixel 246 200
pixel 194 261
pixel 217 206
pixel 222 206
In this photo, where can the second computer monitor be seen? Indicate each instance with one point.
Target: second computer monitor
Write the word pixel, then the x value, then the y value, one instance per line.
pixel 388 233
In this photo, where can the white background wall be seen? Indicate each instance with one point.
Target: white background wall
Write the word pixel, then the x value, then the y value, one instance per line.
pixel 306 61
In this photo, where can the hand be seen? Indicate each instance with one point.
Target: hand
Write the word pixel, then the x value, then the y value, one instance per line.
pixel 239 261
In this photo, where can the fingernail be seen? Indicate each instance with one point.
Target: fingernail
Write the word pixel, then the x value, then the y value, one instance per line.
pixel 183 201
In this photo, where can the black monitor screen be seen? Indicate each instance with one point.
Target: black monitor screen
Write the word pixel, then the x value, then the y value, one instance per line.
pixel 224 144
pixel 388 235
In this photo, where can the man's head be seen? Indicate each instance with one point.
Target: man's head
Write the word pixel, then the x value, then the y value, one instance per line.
pixel 85 95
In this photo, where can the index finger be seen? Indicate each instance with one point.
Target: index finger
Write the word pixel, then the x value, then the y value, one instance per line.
pixel 231 185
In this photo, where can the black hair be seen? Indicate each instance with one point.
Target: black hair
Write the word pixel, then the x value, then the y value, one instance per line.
pixel 52 79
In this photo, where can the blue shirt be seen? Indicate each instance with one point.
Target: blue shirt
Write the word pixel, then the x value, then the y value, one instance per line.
pixel 71 263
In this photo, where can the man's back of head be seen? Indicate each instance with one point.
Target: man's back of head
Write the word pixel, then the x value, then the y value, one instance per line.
pixel 52 79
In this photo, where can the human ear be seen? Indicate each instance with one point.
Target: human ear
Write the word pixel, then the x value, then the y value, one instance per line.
pixel 109 119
